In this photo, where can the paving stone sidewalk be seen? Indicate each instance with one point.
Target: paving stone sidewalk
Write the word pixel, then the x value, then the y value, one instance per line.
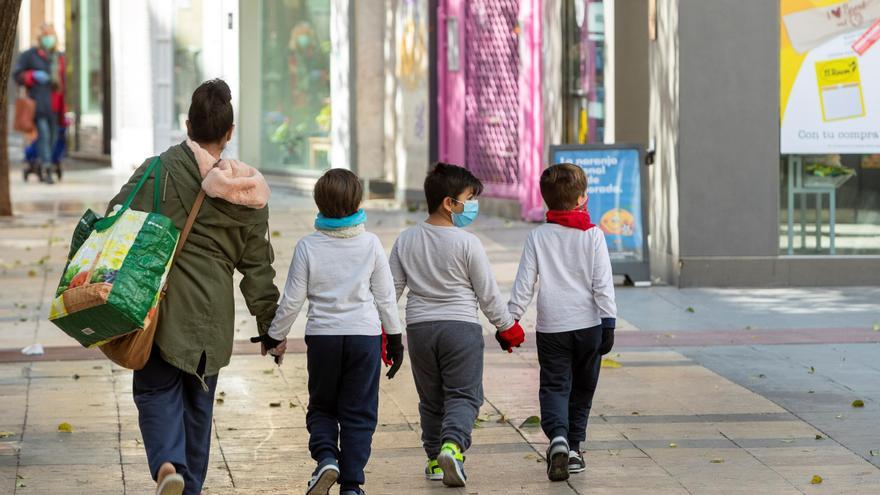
pixel 661 424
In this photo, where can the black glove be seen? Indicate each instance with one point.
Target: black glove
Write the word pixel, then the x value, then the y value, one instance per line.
pixel 607 340
pixel 268 344
pixel 394 350
pixel 505 345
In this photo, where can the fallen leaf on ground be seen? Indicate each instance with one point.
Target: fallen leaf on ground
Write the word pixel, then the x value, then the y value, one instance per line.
pixel 65 427
pixel 276 233
pixel 816 480
pixel 75 376
pixel 222 394
pixel 6 434
pixel 690 309
pixel 812 370
pixel 502 419
pixel 876 327
pixel 32 273
pixel 531 422
pixel 858 403
pixel 219 400
pixel 717 461
pixel 609 363
pixel 291 404
pixel 673 445
pixel 819 437
pixel 274 404
pixel 268 372
pixel 635 413
pixel 875 453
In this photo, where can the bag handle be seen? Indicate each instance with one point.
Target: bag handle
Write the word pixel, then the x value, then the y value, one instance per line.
pixel 154 169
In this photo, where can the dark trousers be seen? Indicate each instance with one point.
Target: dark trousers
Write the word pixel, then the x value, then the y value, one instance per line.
pixel 47 134
pixel 569 373
pixel 174 412
pixel 343 401
pixel 447 365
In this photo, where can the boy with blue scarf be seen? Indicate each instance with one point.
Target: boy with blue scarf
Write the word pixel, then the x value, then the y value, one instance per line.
pixel 448 275
pixel 343 272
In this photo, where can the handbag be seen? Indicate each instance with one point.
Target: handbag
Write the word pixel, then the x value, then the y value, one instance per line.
pixel 133 350
pixel 25 110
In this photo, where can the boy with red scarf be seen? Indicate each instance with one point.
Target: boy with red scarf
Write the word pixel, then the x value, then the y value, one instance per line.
pixel 576 313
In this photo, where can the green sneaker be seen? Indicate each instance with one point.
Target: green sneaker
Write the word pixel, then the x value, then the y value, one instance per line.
pixel 452 463
pixel 433 471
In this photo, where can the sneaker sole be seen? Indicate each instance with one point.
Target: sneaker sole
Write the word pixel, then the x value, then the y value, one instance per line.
pixel 557 469
pixel 576 470
pixel 326 479
pixel 434 477
pixel 172 485
pixel 452 474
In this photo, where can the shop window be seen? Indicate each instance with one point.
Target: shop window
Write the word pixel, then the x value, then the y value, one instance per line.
pixel 188 65
pixel 90 77
pixel 295 85
pixel 583 71
pixel 833 203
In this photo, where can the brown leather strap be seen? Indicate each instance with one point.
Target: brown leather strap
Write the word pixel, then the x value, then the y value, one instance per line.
pixel 190 220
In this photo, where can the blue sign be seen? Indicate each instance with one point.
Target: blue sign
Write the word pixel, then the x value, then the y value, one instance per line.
pixel 614 195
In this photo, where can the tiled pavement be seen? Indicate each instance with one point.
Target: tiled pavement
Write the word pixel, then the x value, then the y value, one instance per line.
pixel 660 424
pixel 676 417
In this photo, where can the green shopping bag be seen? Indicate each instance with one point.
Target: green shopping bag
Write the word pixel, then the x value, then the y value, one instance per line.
pixel 113 278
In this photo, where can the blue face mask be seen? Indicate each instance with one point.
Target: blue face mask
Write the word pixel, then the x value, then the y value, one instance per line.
pixel 48 42
pixel 324 223
pixel 468 214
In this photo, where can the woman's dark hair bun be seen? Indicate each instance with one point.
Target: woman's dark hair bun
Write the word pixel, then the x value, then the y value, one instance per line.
pixel 210 112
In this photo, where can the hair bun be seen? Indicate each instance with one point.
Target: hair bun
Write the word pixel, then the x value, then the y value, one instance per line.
pixel 217 88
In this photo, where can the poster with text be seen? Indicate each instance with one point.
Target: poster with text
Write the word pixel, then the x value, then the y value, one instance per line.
pixel 614 195
pixel 829 67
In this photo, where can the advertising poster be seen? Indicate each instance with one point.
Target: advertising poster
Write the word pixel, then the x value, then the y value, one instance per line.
pixel 614 189
pixel 829 63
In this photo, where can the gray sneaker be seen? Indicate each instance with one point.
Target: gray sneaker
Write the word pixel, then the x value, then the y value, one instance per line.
pixel 576 462
pixel 324 478
pixel 557 459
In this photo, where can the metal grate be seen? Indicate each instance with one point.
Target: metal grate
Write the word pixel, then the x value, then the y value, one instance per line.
pixel 492 91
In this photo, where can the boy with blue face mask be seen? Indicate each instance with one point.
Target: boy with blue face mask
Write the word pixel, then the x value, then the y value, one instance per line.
pixel 449 277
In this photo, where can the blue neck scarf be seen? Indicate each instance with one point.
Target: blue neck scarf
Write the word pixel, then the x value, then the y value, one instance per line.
pixel 324 223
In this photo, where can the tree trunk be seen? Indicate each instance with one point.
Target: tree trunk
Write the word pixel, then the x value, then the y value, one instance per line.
pixel 8 28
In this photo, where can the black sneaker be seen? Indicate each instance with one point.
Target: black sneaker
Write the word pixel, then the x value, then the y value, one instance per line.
pixel 557 459
pixel 324 478
pixel 576 462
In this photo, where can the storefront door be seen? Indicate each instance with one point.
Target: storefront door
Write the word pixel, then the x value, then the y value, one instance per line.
pixel 489 94
pixel 193 40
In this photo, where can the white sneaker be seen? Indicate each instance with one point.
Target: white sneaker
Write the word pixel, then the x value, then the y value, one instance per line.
pixel 171 485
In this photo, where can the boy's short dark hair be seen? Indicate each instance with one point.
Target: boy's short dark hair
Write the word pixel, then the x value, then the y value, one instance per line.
pixel 561 184
pixel 210 112
pixel 338 193
pixel 448 180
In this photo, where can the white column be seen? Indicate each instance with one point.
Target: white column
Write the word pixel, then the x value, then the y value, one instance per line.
pixel 340 82
pixel 131 83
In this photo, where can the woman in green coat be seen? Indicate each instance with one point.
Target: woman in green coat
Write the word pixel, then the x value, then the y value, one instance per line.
pixel 174 392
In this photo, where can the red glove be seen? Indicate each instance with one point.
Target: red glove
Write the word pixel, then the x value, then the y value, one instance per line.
pixel 510 338
pixel 385 358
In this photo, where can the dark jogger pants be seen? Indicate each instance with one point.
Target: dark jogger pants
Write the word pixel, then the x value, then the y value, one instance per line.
pixel 569 373
pixel 343 401
pixel 175 412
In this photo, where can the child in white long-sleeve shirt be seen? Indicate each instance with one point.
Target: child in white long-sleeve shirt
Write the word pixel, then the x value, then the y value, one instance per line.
pixel 576 313
pixel 343 272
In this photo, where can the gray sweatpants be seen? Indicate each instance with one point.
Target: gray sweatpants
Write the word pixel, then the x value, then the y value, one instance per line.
pixel 447 363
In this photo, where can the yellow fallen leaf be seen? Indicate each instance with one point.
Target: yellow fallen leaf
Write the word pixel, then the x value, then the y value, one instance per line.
pixel 5 434
pixel 531 422
pixel 816 480
pixel 717 461
pixel 65 427
pixel 610 363
pixel 673 445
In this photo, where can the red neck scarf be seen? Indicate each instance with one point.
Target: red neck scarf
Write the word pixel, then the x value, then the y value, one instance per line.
pixel 576 219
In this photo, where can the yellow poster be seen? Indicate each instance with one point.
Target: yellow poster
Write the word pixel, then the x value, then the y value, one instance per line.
pixel 829 76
